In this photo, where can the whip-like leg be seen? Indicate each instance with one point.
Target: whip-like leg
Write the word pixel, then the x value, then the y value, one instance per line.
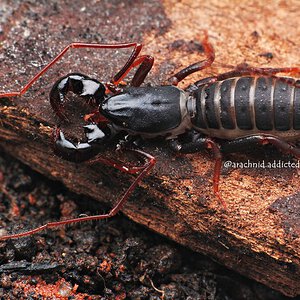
pixel 116 79
pixel 142 170
pixel 210 57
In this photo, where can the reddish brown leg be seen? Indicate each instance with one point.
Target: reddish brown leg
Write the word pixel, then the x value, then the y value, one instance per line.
pixel 243 144
pixel 144 170
pixel 283 146
pixel 244 70
pixel 145 62
pixel 210 144
pixel 200 143
pixel 136 50
pixel 122 73
pixel 210 57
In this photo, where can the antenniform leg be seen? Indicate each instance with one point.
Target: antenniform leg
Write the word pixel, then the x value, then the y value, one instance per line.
pixel 91 89
pixel 69 150
pixel 136 50
pixel 200 143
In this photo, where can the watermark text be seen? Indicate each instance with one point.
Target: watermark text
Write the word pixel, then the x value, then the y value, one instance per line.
pixel 275 164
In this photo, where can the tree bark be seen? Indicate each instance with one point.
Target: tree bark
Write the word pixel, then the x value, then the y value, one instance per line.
pixel 258 234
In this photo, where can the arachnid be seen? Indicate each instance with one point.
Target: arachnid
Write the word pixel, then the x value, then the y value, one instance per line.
pixel 221 113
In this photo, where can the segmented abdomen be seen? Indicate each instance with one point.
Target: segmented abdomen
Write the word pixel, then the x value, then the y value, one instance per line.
pixel 247 105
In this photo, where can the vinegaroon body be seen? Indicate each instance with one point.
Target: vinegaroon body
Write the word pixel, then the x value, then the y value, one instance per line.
pixel 223 113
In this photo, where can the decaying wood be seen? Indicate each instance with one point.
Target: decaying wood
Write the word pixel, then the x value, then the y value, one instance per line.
pixel 258 235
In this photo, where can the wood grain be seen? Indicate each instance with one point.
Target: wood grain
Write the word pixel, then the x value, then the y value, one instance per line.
pixel 258 235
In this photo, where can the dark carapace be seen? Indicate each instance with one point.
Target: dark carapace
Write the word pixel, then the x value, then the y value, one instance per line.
pixel 222 113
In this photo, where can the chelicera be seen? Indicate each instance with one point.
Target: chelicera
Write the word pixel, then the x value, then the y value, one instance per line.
pixel 221 113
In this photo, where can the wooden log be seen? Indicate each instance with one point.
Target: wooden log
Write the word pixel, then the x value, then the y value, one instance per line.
pixel 258 235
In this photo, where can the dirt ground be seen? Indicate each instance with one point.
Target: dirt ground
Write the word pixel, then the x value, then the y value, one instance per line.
pixel 118 259
pixel 113 259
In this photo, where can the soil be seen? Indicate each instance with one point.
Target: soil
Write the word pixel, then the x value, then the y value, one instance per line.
pixel 112 259
pixel 117 259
